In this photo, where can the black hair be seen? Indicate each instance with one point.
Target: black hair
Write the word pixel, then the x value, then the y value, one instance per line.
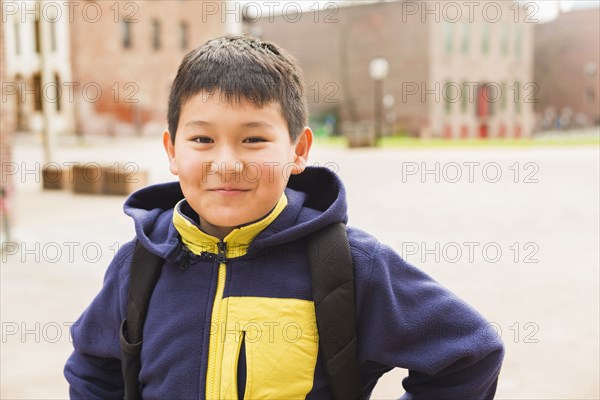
pixel 241 67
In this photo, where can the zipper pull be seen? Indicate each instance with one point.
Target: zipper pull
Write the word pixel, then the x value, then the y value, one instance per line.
pixel 222 258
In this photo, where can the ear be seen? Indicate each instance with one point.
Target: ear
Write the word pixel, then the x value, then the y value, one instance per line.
pixel 302 148
pixel 170 149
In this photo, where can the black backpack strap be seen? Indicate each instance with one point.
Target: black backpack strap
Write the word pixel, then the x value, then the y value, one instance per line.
pixel 332 273
pixel 144 272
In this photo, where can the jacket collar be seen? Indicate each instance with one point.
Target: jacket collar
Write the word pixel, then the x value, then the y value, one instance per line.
pixel 237 241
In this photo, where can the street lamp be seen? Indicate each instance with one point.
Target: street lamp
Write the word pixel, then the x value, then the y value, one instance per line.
pixel 378 69
pixel 390 117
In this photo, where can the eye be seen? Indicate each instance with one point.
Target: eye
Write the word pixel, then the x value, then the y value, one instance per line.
pixel 202 139
pixel 254 140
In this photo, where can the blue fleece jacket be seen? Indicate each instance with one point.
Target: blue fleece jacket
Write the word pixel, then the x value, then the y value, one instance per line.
pixel 404 318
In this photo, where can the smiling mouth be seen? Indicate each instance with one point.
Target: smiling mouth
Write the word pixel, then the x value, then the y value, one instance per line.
pixel 228 190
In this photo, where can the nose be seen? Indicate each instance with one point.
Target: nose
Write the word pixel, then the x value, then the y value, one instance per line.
pixel 230 163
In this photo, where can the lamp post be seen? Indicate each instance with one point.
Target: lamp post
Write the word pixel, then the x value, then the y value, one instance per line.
pixel 378 69
pixel 390 117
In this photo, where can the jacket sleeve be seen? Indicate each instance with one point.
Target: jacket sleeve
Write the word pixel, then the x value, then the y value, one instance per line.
pixel 94 368
pixel 408 320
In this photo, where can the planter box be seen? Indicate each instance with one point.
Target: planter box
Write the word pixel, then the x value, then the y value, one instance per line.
pixel 54 177
pixel 123 181
pixel 93 178
pixel 88 178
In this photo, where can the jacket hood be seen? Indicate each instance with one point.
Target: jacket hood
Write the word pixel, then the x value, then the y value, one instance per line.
pixel 316 198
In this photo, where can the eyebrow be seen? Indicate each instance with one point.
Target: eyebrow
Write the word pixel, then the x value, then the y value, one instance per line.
pixel 250 124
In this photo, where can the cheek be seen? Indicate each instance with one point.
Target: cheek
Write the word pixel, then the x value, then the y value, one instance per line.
pixel 193 169
pixel 277 169
pixel 271 174
pixel 254 172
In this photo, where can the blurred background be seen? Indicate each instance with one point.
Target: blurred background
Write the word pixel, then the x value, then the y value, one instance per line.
pixel 474 125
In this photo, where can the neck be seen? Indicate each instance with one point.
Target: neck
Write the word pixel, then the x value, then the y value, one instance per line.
pixel 217 231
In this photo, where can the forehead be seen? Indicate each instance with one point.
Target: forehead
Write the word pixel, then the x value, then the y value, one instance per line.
pixel 216 108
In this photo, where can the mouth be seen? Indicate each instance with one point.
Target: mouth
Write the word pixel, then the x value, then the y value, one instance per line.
pixel 228 190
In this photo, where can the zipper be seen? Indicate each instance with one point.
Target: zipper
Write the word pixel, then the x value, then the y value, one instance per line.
pixel 188 256
pixel 222 256
pixel 213 347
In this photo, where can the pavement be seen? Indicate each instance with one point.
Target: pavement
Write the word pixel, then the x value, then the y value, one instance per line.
pixel 514 231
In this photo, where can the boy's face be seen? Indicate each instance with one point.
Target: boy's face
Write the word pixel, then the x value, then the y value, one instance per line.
pixel 233 159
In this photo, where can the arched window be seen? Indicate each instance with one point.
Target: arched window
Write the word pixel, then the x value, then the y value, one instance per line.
pixel 38 104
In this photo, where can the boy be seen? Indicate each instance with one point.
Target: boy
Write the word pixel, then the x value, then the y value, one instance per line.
pixel 232 315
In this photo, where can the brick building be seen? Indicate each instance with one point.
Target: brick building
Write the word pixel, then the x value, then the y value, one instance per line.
pixel 6 131
pixel 454 70
pixel 112 63
pixel 35 81
pixel 568 46
pixel 130 55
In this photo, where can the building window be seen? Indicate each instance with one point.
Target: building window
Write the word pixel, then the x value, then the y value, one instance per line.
pixel 58 91
pixel 448 37
pixel 464 132
pixel 465 37
pixel 491 94
pixel 17 37
pixel 155 35
pixel 126 34
pixel 37 36
pixel 464 98
pixel 504 39
pixel 484 106
pixel 52 35
pixel 183 35
pixel 447 95
pixel 19 111
pixel 590 71
pixel 37 96
pixel 447 132
pixel 590 95
pixel 485 38
pixel 519 40
pixel 517 87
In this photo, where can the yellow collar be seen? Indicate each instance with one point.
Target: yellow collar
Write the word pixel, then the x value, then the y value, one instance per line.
pixel 237 240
